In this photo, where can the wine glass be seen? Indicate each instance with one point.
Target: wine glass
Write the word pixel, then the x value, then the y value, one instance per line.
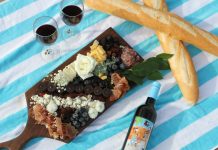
pixel 71 14
pixel 46 31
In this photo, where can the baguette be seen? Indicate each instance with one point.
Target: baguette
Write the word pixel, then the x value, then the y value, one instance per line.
pixel 181 63
pixel 166 22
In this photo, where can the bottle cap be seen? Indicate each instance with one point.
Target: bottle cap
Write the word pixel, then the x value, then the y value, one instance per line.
pixel 154 90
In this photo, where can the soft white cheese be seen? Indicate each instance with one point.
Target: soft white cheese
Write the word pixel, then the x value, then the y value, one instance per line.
pixel 99 106
pixel 93 113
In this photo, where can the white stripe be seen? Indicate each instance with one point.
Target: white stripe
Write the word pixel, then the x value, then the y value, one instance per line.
pixel 27 37
pixel 16 104
pixel 111 143
pixel 139 98
pixel 198 128
pixel 9 75
pixel 25 13
pixel 191 132
pixel 89 33
pixel 171 110
pixel 183 10
pixel 15 44
pixel 46 144
pixel 190 6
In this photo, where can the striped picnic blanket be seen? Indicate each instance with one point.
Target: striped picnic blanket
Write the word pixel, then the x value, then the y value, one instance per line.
pixel 178 126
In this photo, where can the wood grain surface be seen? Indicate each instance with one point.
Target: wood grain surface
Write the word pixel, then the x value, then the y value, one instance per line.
pixel 32 129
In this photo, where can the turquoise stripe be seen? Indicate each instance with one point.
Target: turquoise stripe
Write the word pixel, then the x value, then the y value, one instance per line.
pixel 204 12
pixel 207 141
pixel 198 17
pixel 13 5
pixel 11 59
pixel 103 133
pixel 147 45
pixel 31 142
pixel 182 120
pixel 27 25
pixel 34 47
pixel 5 90
pixel 136 89
pixel 13 121
pixel 29 80
pixel 204 75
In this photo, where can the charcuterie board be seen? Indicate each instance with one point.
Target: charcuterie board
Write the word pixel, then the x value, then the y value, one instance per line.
pixel 89 108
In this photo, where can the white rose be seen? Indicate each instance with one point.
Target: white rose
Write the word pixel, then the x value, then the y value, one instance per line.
pixel 84 66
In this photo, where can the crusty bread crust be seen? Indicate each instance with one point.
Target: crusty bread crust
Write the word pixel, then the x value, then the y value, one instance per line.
pixel 158 20
pixel 181 63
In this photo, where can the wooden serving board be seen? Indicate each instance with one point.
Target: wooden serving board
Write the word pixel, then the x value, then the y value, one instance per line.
pixel 32 129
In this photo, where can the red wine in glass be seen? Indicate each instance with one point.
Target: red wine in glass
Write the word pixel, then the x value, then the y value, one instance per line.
pixel 72 15
pixel 47 34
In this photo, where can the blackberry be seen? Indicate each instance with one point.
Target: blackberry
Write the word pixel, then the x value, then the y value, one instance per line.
pixel 70 88
pixel 116 40
pixel 97 90
pixel 43 87
pixel 109 38
pixel 106 92
pixel 79 88
pixel 107 47
pixel 102 42
pixel 77 80
pixel 88 89
pixel 87 82
pixel 51 87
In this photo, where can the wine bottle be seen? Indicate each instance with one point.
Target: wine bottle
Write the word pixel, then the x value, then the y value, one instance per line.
pixel 143 122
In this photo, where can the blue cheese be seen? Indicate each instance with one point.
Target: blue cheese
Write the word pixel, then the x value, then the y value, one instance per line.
pixel 51 107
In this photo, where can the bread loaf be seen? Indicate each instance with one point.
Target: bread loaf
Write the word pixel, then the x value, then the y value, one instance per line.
pixel 181 63
pixel 158 20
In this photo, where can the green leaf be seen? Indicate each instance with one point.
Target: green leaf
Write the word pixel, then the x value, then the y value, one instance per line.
pixel 144 68
pixel 163 64
pixel 164 56
pixel 138 80
pixel 156 75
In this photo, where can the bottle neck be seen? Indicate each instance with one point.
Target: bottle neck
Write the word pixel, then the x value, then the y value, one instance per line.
pixel 150 101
